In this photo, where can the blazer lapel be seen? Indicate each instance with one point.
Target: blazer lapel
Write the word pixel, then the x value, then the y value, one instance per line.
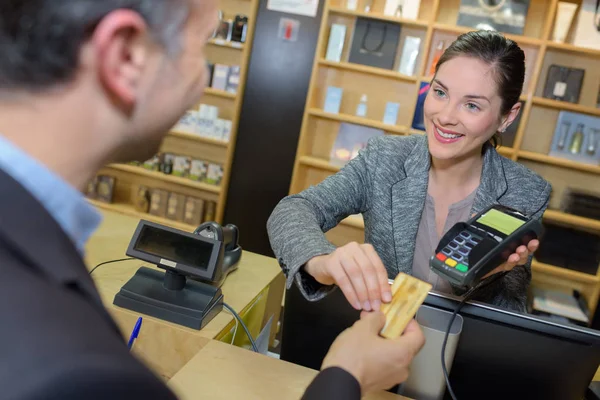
pixel 408 198
pixel 493 182
pixel 36 236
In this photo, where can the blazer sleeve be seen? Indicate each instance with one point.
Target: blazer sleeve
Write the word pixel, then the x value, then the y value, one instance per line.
pixel 332 384
pixel 297 225
pixel 510 292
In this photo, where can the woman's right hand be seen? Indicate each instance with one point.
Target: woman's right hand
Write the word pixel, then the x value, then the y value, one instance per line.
pixel 358 271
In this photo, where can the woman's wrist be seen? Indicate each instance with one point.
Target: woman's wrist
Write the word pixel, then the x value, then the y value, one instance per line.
pixel 314 267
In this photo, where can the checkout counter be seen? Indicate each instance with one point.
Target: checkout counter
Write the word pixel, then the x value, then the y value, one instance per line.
pixel 203 363
pixel 254 290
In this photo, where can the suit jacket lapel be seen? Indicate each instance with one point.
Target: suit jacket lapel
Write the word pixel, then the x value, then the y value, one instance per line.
pixel 408 198
pixel 36 236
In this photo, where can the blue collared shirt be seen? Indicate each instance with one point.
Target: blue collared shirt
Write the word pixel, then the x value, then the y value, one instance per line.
pixel 66 205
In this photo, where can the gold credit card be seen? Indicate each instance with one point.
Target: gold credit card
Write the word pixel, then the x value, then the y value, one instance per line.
pixel 408 293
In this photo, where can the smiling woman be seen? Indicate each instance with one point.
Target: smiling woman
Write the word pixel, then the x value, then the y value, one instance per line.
pixel 412 190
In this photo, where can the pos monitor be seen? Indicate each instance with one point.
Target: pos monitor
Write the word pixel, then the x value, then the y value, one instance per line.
pixel 500 355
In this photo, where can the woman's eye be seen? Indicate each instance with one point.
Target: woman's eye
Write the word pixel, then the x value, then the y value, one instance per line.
pixel 439 93
pixel 472 106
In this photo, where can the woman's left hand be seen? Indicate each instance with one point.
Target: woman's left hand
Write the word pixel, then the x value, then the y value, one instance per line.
pixel 519 257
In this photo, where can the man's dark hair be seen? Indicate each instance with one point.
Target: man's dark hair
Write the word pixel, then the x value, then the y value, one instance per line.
pixel 40 40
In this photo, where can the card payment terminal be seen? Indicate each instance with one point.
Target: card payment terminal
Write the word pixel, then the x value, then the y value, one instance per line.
pixel 469 250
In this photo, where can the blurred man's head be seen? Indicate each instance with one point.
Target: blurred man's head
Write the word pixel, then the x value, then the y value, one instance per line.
pixel 132 67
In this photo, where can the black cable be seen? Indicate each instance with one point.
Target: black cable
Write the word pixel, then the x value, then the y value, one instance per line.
pixel 466 298
pixel 232 311
pixel 111 261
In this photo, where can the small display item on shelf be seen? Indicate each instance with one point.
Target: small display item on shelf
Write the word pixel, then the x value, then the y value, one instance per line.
pixel 333 100
pixel 224 30
pixel 153 164
pixel 181 166
pixel 506 16
pixel 188 123
pixel 158 202
pixel 587 33
pixel 209 211
pixel 175 206
pixel 564 83
pixel 407 9
pixel 350 140
pixel 233 80
pixel 91 188
pixel 214 174
pixel 390 116
pixel 576 138
pixel 410 52
pixel 166 167
pixel 240 28
pixel 374 43
pixel 361 109
pixel 564 19
pixel 439 50
pixel 105 188
pixel 335 46
pixel 418 122
pixel 141 199
pixel 198 170
pixel 220 75
pixel 194 211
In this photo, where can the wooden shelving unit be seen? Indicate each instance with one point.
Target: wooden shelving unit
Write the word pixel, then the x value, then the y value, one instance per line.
pixel 358 121
pixel 127 209
pixel 203 139
pixel 129 177
pixel 436 22
pixel 205 187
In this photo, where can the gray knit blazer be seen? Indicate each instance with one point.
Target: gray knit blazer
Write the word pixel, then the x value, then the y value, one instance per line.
pixel 387 184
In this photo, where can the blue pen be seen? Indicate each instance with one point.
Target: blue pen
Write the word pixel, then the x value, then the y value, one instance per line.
pixel 134 334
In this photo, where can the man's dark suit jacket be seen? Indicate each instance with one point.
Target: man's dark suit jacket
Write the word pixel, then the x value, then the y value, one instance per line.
pixel 57 341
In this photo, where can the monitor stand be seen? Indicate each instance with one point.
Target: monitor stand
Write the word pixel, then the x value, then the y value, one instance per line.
pixel 171 297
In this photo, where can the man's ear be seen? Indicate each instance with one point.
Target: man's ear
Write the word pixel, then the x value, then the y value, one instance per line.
pixel 510 118
pixel 121 53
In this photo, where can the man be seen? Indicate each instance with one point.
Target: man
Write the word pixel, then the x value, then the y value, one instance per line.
pixel 84 83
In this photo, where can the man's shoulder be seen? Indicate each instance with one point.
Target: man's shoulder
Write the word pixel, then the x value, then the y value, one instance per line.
pixel 49 329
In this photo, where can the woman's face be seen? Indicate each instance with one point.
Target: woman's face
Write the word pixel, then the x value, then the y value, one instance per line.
pixel 462 109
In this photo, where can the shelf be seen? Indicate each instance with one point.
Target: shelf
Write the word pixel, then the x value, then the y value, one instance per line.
pixel 318 163
pixel 228 44
pixel 219 93
pixel 386 73
pixel 563 273
pixel 561 162
pixel 199 138
pixel 572 220
pixel 128 209
pixel 381 17
pixel 399 129
pixel 564 105
pixel 521 40
pixel 573 49
pixel 506 151
pixel 167 178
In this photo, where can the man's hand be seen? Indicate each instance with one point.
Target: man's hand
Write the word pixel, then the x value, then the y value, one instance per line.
pixel 377 363
pixel 519 257
pixel 358 271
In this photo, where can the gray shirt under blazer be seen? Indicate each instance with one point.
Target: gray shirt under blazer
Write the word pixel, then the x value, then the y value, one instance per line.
pixel 387 184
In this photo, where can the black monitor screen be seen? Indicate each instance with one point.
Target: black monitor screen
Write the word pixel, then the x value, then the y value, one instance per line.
pixel 174 247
